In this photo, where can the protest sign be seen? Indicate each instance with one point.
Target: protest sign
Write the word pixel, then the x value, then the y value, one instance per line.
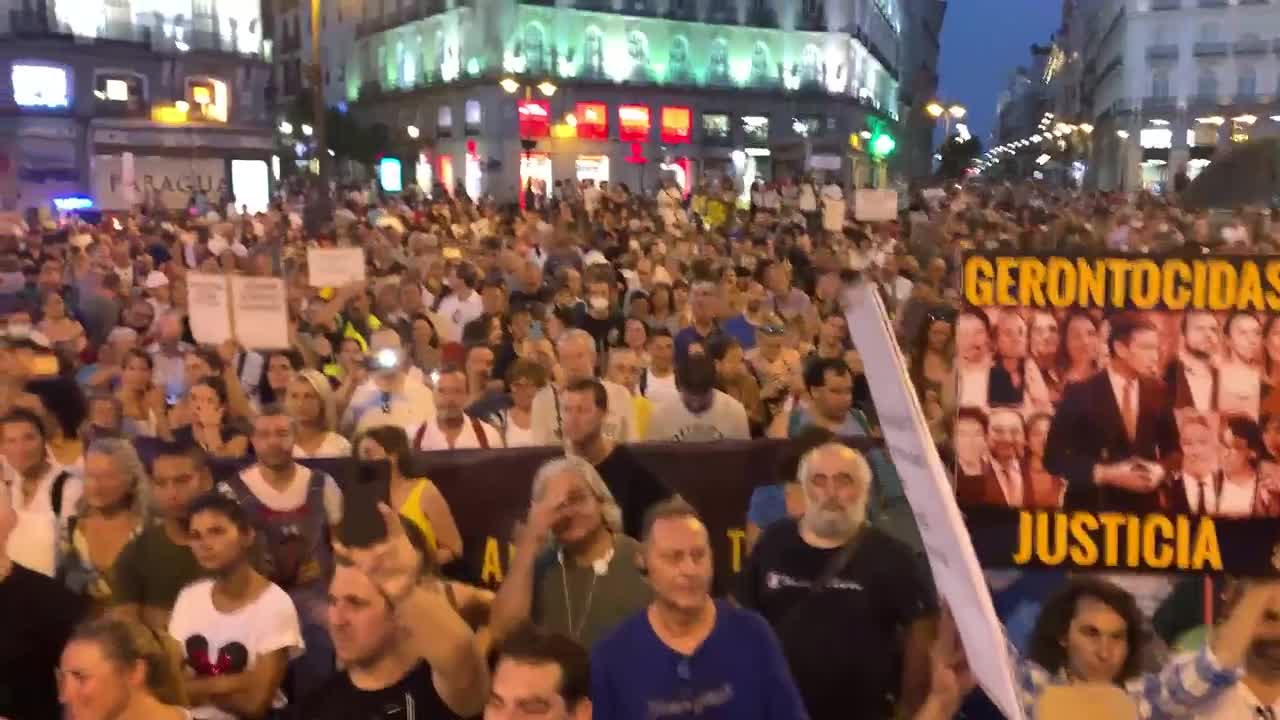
pixel 253 311
pixel 956 571
pixel 209 308
pixel 1119 412
pixel 260 312
pixel 873 205
pixel 335 267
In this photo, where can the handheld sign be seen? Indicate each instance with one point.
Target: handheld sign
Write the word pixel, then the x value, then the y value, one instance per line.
pixel 954 563
pixel 335 267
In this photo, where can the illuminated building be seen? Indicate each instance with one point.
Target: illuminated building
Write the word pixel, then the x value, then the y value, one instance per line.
pixel 1181 80
pixel 678 88
pixel 133 101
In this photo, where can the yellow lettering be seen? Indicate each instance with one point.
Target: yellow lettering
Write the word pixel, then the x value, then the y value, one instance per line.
pixel 1051 553
pixel 1207 554
pixel 1249 294
pixel 1175 292
pixel 977 281
pixel 1031 283
pixel 1199 283
pixel 491 569
pixel 1117 275
pixel 1084 550
pixel 1145 286
pixel 1026 548
pixel 1093 280
pixel 1156 552
pixel 1004 281
pixel 1222 285
pixel 1183 538
pixel 737 542
pixel 1132 540
pixel 1111 523
pixel 1273 285
pixel 1061 282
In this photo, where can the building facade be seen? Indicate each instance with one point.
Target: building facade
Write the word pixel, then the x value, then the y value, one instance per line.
pixel 122 103
pixel 921 48
pixel 1169 83
pixel 627 90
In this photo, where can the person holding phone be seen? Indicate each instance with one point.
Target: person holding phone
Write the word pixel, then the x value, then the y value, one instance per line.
pixel 416 498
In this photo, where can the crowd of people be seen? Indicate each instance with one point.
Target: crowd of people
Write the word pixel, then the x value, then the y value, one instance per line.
pixel 208 578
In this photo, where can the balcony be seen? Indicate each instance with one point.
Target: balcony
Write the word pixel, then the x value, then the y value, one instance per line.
pixel 1162 5
pixel 1211 3
pixel 1162 52
pixel 1252 46
pixel 1210 49
pixel 1159 104
pixel 1202 100
pixel 1253 2
pixel 1246 97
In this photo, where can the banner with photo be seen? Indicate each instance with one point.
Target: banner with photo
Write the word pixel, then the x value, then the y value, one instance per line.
pixel 1120 412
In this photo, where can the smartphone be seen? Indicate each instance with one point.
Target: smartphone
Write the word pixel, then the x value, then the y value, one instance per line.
pixel 369 485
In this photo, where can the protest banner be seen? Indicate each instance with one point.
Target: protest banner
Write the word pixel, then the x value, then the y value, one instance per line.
pixel 253 311
pixel 1120 412
pixel 335 267
pixel 209 308
pixel 873 205
pixel 956 571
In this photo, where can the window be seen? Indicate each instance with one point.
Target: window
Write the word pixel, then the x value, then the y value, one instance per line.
pixel 1207 84
pixel 1162 35
pixel 444 121
pixel 715 128
pixel 41 86
pixel 1160 83
pixel 471 117
pixel 209 99
pixel 1247 81
pixel 1209 32
pixel 756 129
pixel 120 88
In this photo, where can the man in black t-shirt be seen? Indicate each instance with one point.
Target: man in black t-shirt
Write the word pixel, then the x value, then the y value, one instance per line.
pixel 634 486
pixel 406 651
pixel 852 606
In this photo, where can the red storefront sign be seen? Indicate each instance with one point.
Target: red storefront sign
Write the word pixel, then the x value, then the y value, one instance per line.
pixel 593 120
pixel 677 124
pixel 633 123
pixel 535 118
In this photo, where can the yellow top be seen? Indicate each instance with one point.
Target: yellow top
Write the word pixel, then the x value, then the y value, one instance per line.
pixel 412 509
pixel 642 409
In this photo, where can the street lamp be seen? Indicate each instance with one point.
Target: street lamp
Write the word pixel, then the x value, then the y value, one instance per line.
pixel 413 131
pixel 306 130
pixel 937 110
pixel 1122 134
pixel 286 127
pixel 1085 128
pixel 547 88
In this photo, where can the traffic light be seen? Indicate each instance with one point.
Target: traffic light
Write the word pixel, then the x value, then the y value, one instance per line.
pixel 882 144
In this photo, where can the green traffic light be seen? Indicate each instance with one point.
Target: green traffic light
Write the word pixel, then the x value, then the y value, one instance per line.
pixel 882 145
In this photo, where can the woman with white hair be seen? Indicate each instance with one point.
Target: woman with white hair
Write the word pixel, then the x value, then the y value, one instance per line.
pixel 113 510
pixel 574 572
pixel 310 402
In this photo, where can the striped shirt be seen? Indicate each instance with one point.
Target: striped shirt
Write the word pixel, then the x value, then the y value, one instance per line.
pixel 1185 686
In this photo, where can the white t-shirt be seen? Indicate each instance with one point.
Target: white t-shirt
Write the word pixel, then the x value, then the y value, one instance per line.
pixel 33 542
pixel 267 624
pixel 517 436
pixel 333 446
pixel 726 419
pixel 433 438
pixel 459 312
pixel 408 407
pixel 660 389
pixel 292 497
pixel 548 415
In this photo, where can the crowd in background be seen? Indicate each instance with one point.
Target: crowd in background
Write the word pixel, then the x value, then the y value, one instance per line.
pixel 594 319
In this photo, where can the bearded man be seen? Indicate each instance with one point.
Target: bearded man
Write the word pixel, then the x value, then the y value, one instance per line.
pixel 853 607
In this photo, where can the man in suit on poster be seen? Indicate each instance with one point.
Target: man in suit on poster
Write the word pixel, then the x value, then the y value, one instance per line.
pixel 1112 432
pixel 1197 485
pixel 1192 378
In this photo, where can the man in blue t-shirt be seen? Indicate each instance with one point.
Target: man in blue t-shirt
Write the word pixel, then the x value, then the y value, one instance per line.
pixel 688 655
